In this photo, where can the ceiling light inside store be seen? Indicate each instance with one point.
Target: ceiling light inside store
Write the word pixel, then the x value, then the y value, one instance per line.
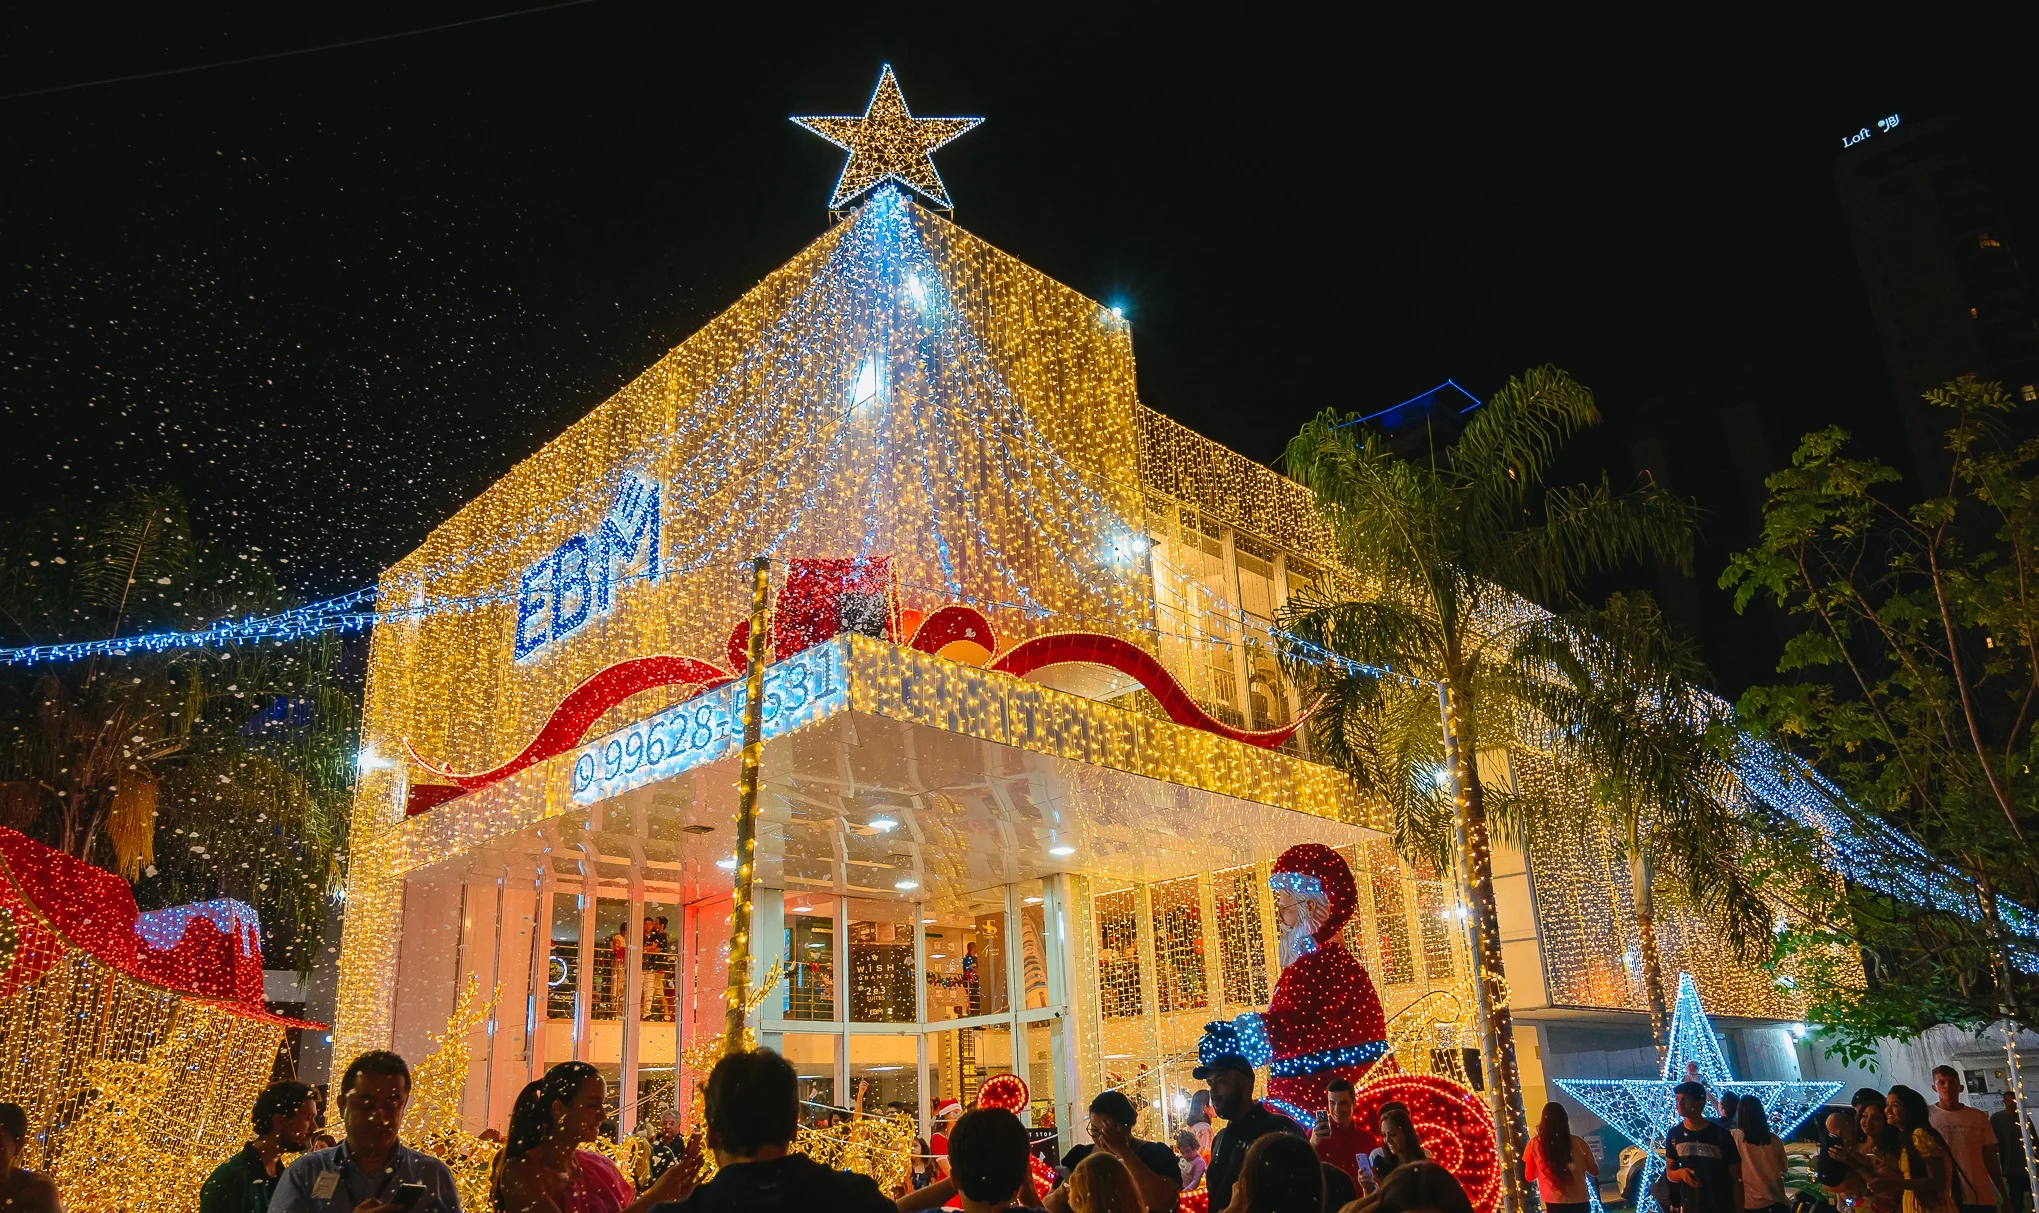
pixel 905 885
pixel 1063 849
pixel 884 824
pixel 727 865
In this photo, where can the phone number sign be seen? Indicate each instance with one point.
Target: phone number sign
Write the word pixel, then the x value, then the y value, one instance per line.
pixel 798 691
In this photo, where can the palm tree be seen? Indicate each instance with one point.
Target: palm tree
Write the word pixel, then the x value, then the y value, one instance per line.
pixel 1449 555
pixel 1616 693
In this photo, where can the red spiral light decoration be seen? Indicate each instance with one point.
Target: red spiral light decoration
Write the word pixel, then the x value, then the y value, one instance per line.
pixel 1008 1091
pixel 1452 1123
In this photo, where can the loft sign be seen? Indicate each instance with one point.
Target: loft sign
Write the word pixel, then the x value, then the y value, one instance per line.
pixel 799 690
pixel 577 580
pixel 1883 127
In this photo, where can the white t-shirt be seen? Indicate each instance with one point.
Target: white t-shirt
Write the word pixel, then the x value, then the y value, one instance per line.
pixel 1968 1134
pixel 1762 1173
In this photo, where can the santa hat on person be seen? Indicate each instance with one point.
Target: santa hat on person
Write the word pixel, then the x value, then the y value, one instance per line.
pixel 1315 872
pixel 946 1107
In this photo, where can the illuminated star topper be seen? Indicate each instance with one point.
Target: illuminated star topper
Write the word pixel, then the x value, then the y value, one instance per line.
pixel 1643 1109
pixel 888 144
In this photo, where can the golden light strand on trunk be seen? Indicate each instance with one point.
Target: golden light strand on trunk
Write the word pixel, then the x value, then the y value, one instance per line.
pixel 737 997
pixel 1490 982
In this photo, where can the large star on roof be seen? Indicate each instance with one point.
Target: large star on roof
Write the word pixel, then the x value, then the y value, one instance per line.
pixel 888 143
pixel 1643 1109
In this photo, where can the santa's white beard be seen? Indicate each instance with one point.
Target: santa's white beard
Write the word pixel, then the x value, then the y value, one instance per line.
pixel 1297 942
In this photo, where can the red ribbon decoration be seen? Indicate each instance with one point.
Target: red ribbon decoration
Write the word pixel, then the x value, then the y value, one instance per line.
pixel 586 703
pixel 1136 663
pixel 569 722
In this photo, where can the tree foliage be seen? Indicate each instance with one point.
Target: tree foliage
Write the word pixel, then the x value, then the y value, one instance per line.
pixel 1451 556
pixel 196 773
pixel 1914 685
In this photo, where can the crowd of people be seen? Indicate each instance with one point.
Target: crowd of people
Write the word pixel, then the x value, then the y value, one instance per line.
pixel 1889 1152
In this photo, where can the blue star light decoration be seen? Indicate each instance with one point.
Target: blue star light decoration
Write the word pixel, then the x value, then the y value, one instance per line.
pixel 887 143
pixel 1643 1109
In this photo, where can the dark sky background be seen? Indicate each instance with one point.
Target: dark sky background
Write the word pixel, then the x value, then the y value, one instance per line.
pixel 333 296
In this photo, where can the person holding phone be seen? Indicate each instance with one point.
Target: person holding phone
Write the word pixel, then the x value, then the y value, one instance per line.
pixel 1336 1136
pixel 543 1168
pixel 371 1171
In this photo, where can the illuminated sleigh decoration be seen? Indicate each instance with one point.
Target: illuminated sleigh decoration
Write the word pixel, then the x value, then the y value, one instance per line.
pixel 823 598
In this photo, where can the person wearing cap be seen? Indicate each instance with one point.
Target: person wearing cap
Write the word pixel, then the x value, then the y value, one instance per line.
pixel 1230 1078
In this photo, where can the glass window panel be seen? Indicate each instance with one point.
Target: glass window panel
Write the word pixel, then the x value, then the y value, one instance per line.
pixel 961 1059
pixel 1118 954
pixel 1178 945
pixel 611 955
pixel 563 967
pixel 1432 906
pixel 1391 912
pixel 655 1097
pixel 1358 940
pixel 882 978
pixel 1033 948
pixel 965 952
pixel 1242 948
pixel 886 1069
pixel 812 1055
pixel 1256 583
pixel 658 980
pixel 811 951
pixel 1040 1075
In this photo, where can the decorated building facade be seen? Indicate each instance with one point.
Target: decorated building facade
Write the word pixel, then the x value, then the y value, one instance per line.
pixel 1028 754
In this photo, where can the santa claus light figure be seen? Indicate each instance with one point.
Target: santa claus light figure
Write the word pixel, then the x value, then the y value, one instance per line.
pixel 1325 1021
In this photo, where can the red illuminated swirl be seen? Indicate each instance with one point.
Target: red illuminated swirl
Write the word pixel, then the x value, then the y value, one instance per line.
pixel 569 722
pixel 1451 1122
pixel 1137 663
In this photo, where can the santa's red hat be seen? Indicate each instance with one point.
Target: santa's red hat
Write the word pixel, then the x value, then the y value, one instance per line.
pixel 1312 869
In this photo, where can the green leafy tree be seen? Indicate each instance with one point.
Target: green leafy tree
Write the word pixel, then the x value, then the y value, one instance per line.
pixel 195 773
pixel 1914 687
pixel 1450 554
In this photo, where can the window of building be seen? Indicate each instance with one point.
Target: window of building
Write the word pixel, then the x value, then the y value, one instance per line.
pixel 1242 943
pixel 563 966
pixel 810 957
pixel 658 969
pixel 882 974
pixel 611 955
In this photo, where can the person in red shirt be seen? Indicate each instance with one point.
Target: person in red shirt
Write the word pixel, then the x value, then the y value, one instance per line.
pixel 947 1112
pixel 1339 1141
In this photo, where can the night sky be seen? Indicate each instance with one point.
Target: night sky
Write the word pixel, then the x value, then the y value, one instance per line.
pixel 333 296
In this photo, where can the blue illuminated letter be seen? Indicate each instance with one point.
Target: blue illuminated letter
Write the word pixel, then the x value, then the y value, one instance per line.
pixel 570 582
pixel 637 506
pixel 532 595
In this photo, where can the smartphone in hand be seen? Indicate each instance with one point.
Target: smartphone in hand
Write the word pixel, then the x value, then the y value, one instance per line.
pixel 408 1195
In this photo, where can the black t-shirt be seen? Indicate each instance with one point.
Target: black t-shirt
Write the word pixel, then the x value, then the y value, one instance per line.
pixel 782 1185
pixel 1709 1151
pixel 1156 1157
pixel 1228 1148
pixel 1159 1158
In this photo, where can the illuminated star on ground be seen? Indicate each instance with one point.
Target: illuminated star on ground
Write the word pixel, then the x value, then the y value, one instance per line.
pixel 1643 1109
pixel 888 143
